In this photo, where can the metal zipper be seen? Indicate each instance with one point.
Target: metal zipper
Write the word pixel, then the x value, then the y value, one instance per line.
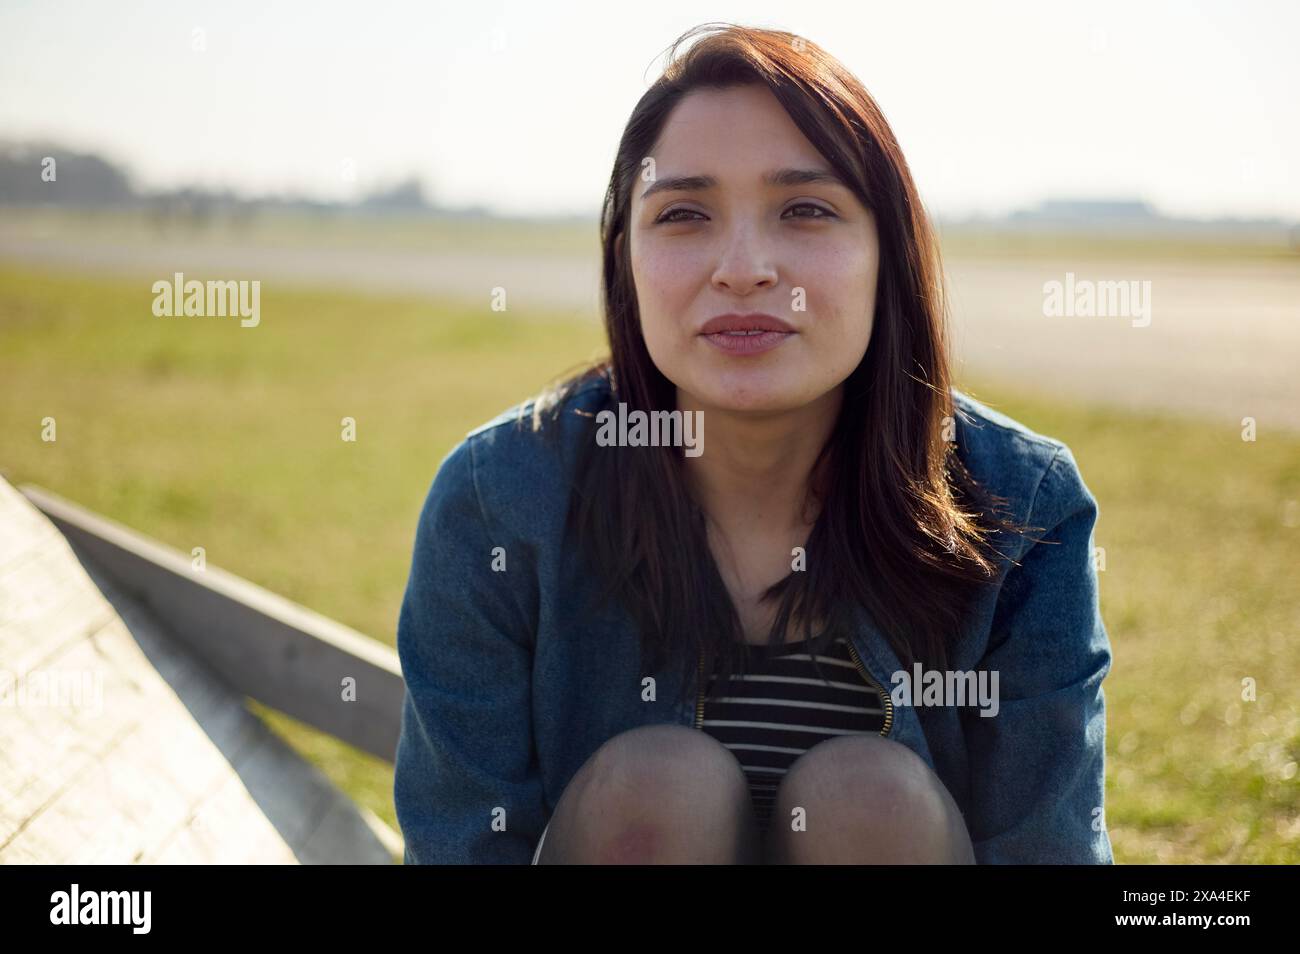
pixel 884 696
pixel 857 661
pixel 699 693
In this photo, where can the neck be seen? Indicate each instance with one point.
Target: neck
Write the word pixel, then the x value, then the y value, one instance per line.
pixel 756 469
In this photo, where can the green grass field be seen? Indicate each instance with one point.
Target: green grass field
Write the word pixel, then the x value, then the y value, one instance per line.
pixel 202 433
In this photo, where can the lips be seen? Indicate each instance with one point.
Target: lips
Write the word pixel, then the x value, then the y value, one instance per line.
pixel 757 321
pixel 746 334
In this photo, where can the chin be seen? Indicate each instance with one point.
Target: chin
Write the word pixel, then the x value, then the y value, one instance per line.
pixel 735 396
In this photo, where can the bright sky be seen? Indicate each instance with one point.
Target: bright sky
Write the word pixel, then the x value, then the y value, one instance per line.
pixel 518 106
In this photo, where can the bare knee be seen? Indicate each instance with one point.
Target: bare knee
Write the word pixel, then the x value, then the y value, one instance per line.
pixel 863 798
pixel 664 793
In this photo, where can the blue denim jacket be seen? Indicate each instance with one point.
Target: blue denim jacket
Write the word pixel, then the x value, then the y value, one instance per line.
pixel 508 692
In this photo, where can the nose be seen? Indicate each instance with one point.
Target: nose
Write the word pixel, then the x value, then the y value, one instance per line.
pixel 745 262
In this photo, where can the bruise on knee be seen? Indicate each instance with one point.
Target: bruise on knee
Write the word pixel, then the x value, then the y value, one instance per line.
pixel 649 795
pixel 635 842
pixel 866 799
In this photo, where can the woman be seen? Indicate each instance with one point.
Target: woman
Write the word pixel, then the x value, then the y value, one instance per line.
pixel 761 586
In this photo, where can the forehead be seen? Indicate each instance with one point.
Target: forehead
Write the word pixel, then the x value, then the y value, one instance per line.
pixel 733 134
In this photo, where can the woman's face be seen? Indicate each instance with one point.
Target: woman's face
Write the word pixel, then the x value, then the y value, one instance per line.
pixel 728 241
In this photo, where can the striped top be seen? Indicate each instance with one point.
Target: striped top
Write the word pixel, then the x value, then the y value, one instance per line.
pixel 779 708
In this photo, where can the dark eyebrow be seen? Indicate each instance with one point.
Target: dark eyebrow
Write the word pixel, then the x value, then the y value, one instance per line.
pixel 782 177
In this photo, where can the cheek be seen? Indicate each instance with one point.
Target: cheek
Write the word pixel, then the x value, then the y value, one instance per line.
pixel 663 292
pixel 661 274
pixel 842 287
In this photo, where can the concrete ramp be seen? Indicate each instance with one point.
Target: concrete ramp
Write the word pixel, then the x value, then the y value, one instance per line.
pixel 118 745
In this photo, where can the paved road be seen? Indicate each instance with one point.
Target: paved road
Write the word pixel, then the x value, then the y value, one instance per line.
pixel 1223 339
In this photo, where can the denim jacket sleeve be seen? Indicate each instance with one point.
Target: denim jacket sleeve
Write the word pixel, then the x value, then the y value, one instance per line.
pixel 466 786
pixel 1038 766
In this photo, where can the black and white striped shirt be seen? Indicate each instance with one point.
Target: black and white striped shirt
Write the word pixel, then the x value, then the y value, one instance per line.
pixel 779 708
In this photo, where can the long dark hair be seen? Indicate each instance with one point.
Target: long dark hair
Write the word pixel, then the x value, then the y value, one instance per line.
pixel 903 528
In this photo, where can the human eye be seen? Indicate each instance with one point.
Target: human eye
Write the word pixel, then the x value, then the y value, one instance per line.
pixel 668 215
pixel 825 212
